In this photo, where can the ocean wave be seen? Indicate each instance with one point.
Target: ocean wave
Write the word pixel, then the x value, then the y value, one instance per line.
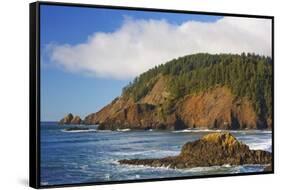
pixel 123 130
pixel 44 183
pixel 108 161
pixel 79 131
pixel 197 170
pixel 150 153
pixel 197 130
pixel 257 142
pixel 84 167
pixel 267 146
pixel 222 130
pixel 104 131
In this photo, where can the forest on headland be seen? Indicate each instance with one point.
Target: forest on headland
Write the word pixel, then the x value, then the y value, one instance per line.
pixel 247 75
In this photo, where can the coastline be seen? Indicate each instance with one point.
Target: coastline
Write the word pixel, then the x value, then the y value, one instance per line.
pixel 269 130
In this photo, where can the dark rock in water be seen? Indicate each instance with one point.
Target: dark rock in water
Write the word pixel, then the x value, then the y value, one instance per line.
pixel 214 149
pixel 77 128
pixel 70 119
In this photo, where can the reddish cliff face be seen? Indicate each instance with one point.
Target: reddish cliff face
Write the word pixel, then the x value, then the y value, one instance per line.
pixel 108 112
pixel 216 108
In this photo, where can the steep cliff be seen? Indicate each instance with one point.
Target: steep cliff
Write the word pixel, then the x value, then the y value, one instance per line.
pixel 216 108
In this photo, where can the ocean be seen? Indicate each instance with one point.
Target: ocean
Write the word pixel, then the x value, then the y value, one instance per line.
pixel 70 157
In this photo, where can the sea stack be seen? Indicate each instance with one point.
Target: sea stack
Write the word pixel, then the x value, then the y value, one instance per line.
pixel 70 119
pixel 214 149
pixel 76 120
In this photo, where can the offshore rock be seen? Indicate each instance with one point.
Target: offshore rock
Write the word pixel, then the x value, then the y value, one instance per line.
pixel 214 149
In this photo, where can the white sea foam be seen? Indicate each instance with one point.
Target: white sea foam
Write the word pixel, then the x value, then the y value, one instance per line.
pixel 227 165
pixel 44 183
pixel 221 130
pixel 261 146
pixel 127 167
pixel 199 170
pixel 84 167
pixel 123 130
pixel 79 131
pixel 257 142
pixel 107 176
pixel 195 130
pixel 105 131
pixel 150 153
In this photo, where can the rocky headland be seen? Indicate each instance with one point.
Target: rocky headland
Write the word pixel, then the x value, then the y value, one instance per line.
pixel 214 149
pixel 201 91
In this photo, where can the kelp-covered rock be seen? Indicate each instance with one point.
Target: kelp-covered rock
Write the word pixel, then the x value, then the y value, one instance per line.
pixel 214 149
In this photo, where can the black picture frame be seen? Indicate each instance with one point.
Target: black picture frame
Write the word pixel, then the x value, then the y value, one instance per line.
pixel 34 92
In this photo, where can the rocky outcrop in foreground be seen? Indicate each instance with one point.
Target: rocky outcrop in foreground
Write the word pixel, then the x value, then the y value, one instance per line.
pixel 70 119
pixel 214 149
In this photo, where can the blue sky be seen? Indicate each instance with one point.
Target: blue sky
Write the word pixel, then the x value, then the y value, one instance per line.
pixel 64 90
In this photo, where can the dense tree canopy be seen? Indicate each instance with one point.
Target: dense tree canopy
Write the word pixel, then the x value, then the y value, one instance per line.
pixel 247 75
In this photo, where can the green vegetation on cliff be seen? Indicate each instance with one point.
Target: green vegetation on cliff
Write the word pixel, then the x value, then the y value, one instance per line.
pixel 247 75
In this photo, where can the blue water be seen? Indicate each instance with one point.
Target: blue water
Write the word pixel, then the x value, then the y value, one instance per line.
pixel 91 156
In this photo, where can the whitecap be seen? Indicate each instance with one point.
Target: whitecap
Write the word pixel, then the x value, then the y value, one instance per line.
pixel 84 167
pixel 79 131
pixel 196 130
pixel 44 183
pixel 148 153
pixel 261 146
pixel 197 170
pixel 257 142
pixel 223 130
pixel 123 130
pixel 107 176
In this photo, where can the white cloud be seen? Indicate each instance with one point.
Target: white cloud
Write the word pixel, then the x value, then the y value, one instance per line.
pixel 141 44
